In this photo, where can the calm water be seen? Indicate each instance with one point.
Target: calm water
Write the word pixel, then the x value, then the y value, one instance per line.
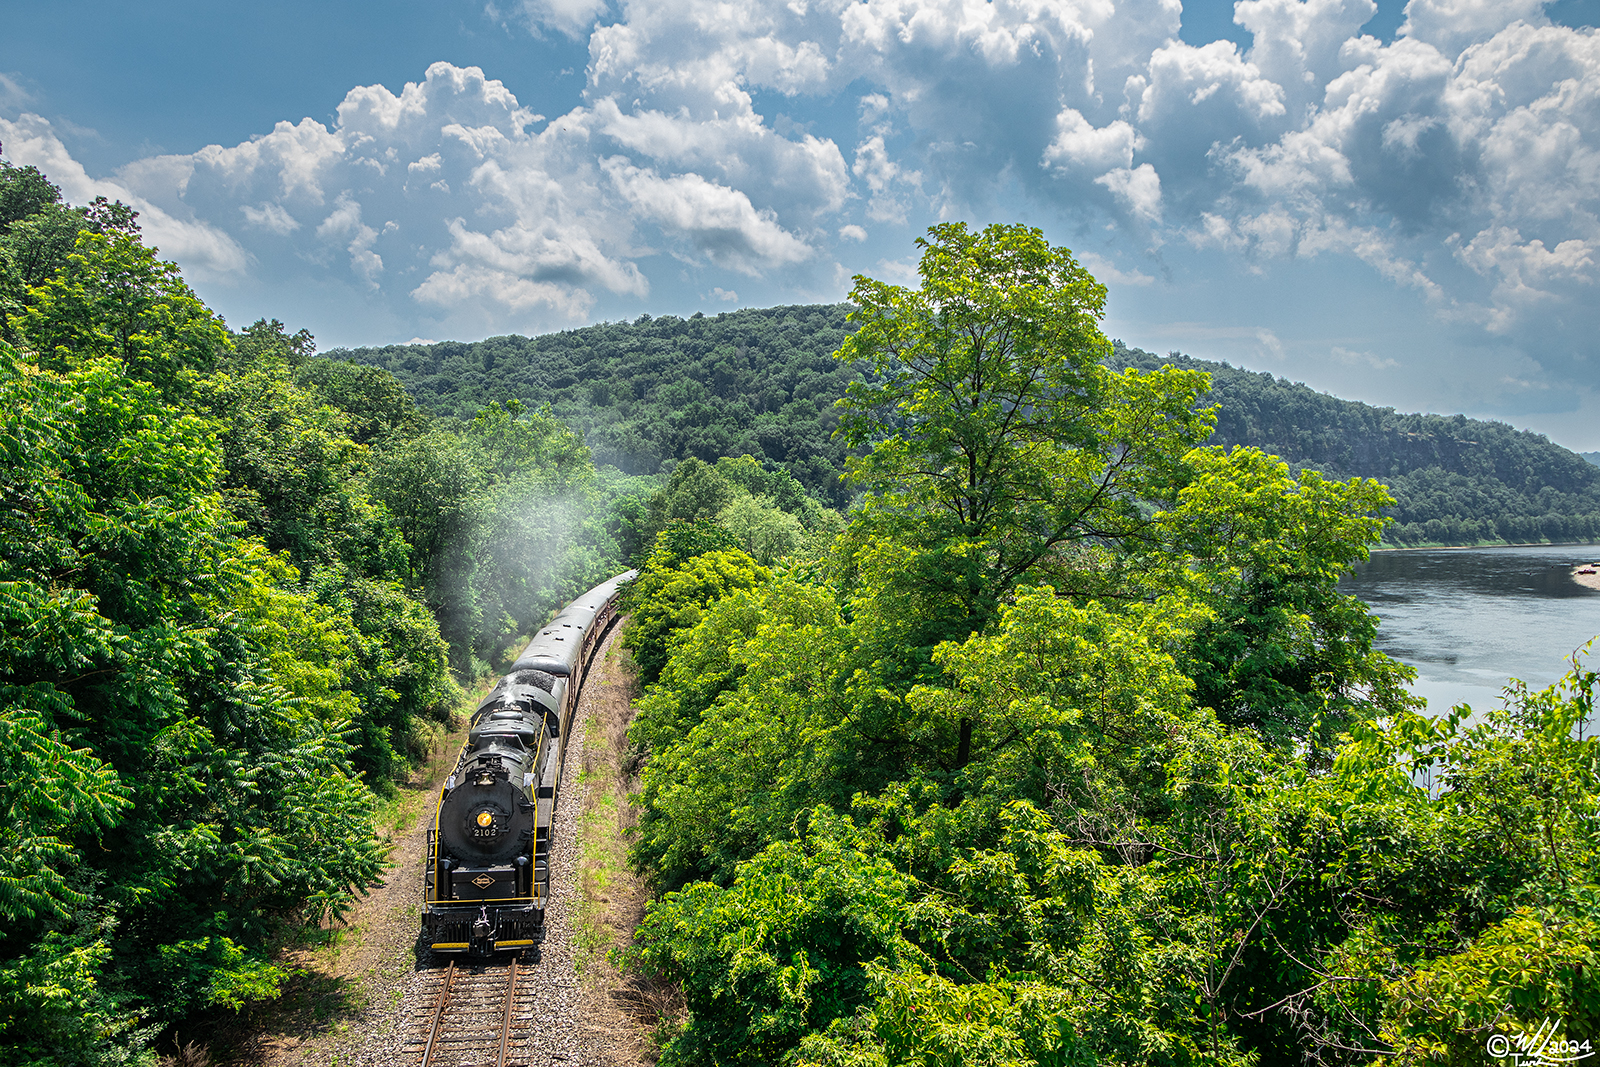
pixel 1468 619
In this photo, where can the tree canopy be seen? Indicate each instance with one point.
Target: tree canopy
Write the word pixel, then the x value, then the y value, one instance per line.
pixel 996 440
pixel 760 382
pixel 757 382
pixel 1147 795
pixel 228 612
pixel 1454 480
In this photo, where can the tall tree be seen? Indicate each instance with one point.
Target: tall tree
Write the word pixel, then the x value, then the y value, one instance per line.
pixel 1280 648
pixel 113 297
pixel 997 442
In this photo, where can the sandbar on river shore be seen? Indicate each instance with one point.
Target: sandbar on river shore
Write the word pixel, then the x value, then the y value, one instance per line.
pixel 1590 580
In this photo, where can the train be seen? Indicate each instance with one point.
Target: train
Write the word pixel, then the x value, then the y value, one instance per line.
pixel 486 878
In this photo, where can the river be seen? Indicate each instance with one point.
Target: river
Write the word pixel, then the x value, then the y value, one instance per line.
pixel 1469 618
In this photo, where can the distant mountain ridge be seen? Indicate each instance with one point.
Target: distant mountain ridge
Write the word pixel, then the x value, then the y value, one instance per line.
pixel 1455 480
pixel 762 381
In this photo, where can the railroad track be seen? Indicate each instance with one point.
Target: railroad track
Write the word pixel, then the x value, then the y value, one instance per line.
pixel 479 1015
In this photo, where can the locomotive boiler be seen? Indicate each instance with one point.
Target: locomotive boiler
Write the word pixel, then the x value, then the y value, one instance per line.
pixel 487 875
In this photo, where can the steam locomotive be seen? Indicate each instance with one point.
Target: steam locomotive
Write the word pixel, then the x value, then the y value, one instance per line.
pixel 487 875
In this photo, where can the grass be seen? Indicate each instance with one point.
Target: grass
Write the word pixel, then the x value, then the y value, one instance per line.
pixel 398 813
pixel 611 895
pixel 602 860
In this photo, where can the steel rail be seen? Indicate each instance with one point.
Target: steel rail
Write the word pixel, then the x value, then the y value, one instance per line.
pixel 438 1014
pixel 505 1026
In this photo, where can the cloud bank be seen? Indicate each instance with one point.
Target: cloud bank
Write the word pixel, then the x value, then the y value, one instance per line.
pixel 1456 163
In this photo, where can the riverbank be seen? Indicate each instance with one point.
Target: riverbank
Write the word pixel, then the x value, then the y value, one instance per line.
pixel 1590 580
pixel 1481 544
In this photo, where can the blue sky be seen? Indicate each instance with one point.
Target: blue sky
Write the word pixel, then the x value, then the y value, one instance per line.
pixel 1398 203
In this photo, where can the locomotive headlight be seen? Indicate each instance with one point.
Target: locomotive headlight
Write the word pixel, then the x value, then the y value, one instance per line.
pixel 485 819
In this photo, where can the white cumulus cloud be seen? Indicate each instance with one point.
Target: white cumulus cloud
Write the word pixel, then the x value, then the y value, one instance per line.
pixel 207 250
pixel 719 221
pixel 788 143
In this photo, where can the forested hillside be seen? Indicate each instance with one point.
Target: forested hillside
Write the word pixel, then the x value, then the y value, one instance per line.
pixel 761 382
pixel 755 382
pixel 1455 480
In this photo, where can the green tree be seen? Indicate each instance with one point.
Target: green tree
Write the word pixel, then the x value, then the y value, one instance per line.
pixel 696 491
pixel 114 298
pixel 291 474
pixel 295 479
pixel 38 233
pixel 765 533
pixel 626 507
pixel 779 953
pixel 1065 702
pixel 1169 807
pixel 173 717
pixel 1000 447
pixel 53 794
pixel 428 483
pixel 496 514
pixel 1283 651
pixel 376 405
pixel 742 727
pixel 672 591
pixel 776 484
pixel 24 193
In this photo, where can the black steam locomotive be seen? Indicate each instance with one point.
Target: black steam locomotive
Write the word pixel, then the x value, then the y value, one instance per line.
pixel 487 875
